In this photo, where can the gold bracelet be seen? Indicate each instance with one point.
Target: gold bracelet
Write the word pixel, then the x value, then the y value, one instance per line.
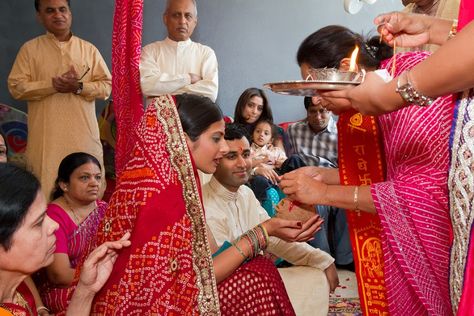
pixel 42 308
pixel 454 29
pixel 265 233
pixel 240 251
pixel 356 198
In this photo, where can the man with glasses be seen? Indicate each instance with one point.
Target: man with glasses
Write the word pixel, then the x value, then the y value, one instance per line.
pixel 60 76
pixel 176 64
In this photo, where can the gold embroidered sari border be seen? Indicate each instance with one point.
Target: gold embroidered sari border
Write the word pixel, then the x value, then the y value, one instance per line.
pixel 208 299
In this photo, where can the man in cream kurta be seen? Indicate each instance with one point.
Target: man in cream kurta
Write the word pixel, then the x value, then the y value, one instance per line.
pixel 230 214
pixel 232 208
pixel 178 65
pixel 60 75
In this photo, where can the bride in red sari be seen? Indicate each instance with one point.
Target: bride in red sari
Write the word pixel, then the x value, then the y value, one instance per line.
pixel 169 268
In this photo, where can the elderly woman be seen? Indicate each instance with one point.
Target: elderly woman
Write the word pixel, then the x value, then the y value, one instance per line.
pixel 27 243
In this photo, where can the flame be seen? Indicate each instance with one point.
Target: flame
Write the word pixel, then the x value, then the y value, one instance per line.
pixel 352 65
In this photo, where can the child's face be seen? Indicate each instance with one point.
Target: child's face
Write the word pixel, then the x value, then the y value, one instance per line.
pixel 262 134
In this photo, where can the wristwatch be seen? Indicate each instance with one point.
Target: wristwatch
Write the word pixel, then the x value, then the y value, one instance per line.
pixel 79 90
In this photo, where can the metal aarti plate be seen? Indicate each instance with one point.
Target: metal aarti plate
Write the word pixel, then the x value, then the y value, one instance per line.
pixel 307 87
pixel 319 79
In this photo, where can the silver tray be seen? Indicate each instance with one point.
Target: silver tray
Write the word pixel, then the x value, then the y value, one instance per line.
pixel 308 87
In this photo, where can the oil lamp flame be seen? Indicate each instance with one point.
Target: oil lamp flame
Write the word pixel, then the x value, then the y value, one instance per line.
pixel 353 63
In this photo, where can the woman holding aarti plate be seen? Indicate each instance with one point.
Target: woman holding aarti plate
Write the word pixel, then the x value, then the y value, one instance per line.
pixel 411 228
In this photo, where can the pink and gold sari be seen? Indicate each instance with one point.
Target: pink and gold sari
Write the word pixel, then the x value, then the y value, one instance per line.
pixel 55 298
pixel 412 204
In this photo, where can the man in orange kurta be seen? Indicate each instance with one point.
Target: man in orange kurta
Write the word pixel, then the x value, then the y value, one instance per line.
pixel 60 75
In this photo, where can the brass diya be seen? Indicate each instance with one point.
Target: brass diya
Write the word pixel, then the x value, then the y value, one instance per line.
pixel 318 80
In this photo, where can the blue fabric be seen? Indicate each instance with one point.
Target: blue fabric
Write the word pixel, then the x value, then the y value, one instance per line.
pixel 334 238
pixel 224 246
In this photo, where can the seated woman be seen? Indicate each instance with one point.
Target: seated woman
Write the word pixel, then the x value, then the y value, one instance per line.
pixel 169 267
pixel 77 210
pixel 27 243
pixel 412 202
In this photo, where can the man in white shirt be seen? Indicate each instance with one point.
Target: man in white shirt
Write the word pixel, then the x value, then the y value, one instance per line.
pixel 232 208
pixel 176 64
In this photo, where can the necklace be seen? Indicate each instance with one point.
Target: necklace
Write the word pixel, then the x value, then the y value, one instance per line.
pixel 77 219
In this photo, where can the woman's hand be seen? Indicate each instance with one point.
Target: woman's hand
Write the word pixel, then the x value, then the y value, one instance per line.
pixel 406 30
pixel 372 97
pixel 333 278
pixel 99 264
pixel 326 175
pixel 291 230
pixel 303 187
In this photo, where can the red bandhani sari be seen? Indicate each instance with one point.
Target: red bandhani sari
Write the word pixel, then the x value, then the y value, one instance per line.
pixel 168 267
pixel 412 203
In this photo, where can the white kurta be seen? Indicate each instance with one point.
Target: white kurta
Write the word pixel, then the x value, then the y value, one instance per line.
pixel 165 67
pixel 230 214
pixel 58 123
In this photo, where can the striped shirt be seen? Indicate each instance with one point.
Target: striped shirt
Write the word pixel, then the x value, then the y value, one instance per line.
pixel 315 149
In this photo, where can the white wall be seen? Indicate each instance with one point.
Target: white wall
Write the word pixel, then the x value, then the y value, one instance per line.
pixel 255 40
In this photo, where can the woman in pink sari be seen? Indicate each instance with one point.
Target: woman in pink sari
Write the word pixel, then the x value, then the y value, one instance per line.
pixel 412 202
pixel 448 70
pixel 77 210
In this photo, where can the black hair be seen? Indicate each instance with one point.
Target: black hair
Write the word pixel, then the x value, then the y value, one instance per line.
pixel 67 166
pixel 197 113
pixel 245 98
pixel 235 131
pixel 273 127
pixel 331 44
pixel 308 101
pixel 37 4
pixel 18 190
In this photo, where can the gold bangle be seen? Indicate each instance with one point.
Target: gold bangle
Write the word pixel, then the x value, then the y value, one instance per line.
pixel 356 198
pixel 42 308
pixel 454 29
pixel 240 251
pixel 265 233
